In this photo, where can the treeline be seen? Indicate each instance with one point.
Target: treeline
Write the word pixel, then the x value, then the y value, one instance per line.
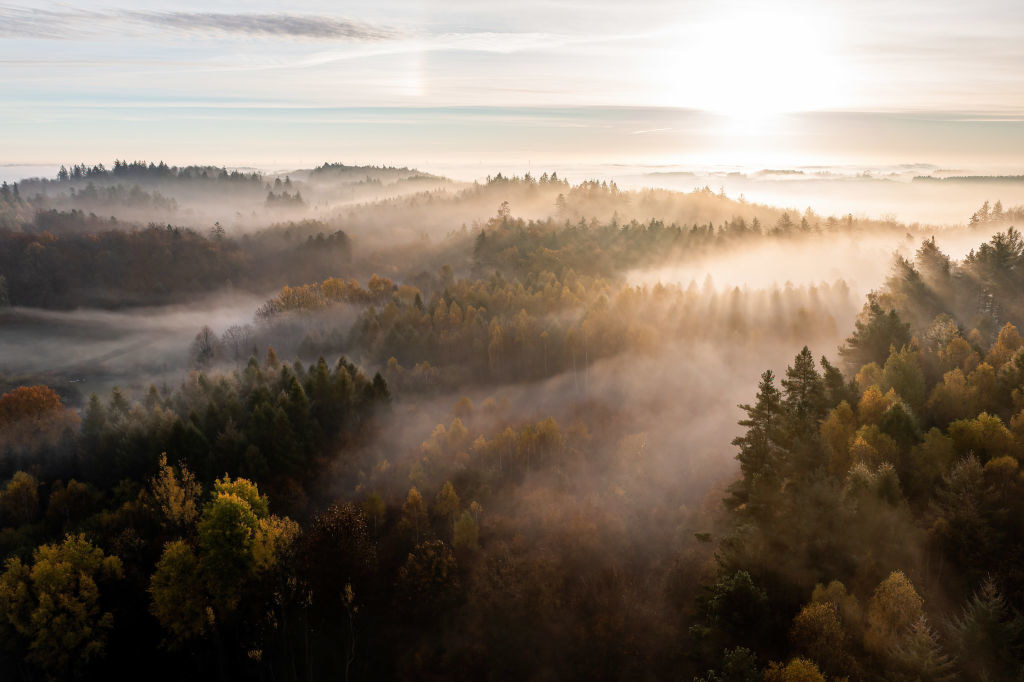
pixel 990 214
pixel 369 174
pixel 543 299
pixel 496 329
pixel 121 195
pixel 284 199
pixel 140 170
pixel 137 192
pixel 71 259
pixel 970 178
pixel 520 248
pixel 250 421
pixel 592 201
pixel 876 527
pixel 553 204
pixel 115 267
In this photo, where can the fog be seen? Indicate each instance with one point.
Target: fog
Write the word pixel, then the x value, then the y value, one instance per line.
pixel 880 193
pixel 404 224
pixel 571 357
pixel 860 261
pixel 877 191
pixel 92 350
pixel 907 193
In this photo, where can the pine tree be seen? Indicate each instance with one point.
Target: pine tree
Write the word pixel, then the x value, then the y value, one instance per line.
pixel 837 388
pixel 803 389
pixel 920 656
pixel 988 637
pixel 874 334
pixel 759 454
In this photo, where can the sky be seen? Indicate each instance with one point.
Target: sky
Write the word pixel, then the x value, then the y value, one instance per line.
pixel 458 82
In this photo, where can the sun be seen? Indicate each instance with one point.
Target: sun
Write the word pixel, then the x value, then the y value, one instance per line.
pixel 750 65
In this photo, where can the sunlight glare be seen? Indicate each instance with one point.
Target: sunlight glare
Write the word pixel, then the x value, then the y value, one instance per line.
pixel 753 64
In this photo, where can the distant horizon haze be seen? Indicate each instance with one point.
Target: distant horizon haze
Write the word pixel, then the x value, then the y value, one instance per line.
pixel 483 140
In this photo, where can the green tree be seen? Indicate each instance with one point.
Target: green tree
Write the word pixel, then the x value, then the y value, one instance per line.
pixel 986 436
pixel 803 390
pixel 237 541
pixel 178 595
pixel 227 542
pixel 55 606
pixel 875 332
pixel 904 374
pixel 759 455
pixel 738 608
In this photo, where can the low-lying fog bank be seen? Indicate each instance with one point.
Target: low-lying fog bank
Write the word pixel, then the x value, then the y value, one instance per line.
pixel 93 350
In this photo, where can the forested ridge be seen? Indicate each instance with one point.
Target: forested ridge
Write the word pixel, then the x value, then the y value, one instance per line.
pixel 498 455
pixel 89 238
pixel 876 528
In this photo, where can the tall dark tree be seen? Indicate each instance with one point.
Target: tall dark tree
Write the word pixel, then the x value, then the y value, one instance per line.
pixel 759 454
pixel 874 334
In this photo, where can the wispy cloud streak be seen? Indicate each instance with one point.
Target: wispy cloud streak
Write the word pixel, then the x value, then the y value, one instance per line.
pixel 24 22
pixel 265 24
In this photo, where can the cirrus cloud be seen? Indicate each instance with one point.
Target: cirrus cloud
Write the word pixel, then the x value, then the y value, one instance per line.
pixel 66 23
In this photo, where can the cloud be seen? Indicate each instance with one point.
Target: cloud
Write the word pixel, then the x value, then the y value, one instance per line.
pixel 264 25
pixel 650 131
pixel 23 22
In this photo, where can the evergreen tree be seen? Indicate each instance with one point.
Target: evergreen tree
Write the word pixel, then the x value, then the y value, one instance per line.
pixel 759 453
pixel 988 636
pixel 875 333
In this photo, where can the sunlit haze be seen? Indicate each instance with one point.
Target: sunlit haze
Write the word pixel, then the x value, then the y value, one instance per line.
pixel 285 84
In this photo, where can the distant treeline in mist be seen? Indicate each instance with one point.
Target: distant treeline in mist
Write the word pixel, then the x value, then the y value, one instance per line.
pixel 970 178
pixel 63 258
pixel 151 171
pixel 137 192
pixel 71 259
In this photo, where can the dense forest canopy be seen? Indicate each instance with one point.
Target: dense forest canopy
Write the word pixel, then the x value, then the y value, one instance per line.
pixel 452 434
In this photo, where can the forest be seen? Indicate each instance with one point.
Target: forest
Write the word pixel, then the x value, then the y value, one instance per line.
pixel 516 429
